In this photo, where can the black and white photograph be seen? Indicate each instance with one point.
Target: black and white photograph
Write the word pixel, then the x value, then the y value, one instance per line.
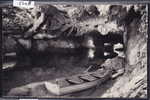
pixel 75 50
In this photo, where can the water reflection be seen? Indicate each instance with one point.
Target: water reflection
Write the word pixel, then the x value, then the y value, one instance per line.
pixel 55 64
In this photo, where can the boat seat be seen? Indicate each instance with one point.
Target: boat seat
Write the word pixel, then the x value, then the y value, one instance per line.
pixel 74 80
pixel 87 77
pixel 99 73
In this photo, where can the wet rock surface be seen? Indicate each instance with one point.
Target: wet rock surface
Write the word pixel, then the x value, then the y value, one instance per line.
pixel 135 75
pixel 58 41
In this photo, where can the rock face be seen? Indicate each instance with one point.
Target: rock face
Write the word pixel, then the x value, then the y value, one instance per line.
pixel 15 20
pixel 85 12
pixel 135 75
pixel 53 23
pixel 50 20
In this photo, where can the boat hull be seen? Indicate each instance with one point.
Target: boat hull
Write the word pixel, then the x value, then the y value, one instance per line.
pixel 58 90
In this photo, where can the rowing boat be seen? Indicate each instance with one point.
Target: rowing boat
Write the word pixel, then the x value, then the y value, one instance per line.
pixel 78 82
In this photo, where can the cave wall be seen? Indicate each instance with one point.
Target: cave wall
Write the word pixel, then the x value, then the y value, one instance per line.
pixel 135 39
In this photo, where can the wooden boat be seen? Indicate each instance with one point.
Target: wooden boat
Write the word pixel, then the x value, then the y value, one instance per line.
pixel 78 82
